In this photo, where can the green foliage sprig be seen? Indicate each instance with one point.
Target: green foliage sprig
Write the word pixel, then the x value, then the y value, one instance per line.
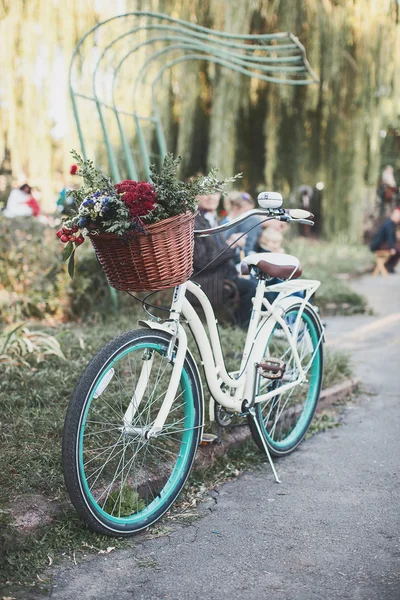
pixel 174 196
pixel 93 180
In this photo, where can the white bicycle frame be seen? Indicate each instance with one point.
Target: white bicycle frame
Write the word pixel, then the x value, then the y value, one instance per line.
pixel 241 384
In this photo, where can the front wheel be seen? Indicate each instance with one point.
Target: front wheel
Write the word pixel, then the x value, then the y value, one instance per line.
pixel 118 480
pixel 285 418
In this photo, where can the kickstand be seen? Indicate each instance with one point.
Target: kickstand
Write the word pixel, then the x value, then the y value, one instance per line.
pixel 252 412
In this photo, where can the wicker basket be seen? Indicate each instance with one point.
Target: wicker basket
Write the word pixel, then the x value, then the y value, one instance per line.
pixel 156 260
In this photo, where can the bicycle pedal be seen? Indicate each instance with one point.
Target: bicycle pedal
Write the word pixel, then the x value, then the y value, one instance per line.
pixel 271 368
pixel 208 438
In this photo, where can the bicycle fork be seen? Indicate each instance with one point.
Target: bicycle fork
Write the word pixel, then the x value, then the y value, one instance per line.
pixel 177 358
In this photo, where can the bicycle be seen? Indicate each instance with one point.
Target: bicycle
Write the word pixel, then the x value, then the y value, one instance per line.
pixel 136 416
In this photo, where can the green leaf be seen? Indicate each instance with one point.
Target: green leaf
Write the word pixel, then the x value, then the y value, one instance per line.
pixel 10 334
pixel 71 264
pixel 68 250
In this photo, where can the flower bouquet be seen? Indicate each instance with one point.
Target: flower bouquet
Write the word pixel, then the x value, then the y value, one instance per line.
pixel 142 232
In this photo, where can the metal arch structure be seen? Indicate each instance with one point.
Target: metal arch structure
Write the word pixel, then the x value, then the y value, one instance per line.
pixel 134 51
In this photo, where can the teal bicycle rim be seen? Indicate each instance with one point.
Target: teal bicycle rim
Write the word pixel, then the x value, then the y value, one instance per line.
pixel 163 498
pixel 314 375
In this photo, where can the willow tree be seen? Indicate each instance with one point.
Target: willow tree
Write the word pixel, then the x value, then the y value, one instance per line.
pixel 37 41
pixel 288 136
pixel 328 132
pixel 277 135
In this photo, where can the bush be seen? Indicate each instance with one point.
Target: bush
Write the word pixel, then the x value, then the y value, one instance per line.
pixel 32 280
pixel 34 283
pixel 89 291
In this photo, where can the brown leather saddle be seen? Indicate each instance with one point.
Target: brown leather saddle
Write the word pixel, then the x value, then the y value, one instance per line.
pixel 274 264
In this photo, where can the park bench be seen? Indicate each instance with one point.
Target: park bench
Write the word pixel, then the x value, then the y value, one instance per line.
pixel 381 256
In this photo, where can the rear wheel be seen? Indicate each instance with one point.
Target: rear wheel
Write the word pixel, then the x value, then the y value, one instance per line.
pixel 118 480
pixel 285 418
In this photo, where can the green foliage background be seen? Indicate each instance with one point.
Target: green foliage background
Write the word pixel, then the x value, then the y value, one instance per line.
pixel 280 137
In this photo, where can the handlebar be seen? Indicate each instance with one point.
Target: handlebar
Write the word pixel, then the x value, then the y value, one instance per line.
pixel 271 213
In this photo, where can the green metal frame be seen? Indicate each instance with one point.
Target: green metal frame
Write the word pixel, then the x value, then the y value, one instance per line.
pixel 153 43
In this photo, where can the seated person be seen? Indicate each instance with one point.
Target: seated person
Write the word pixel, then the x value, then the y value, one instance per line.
pixel 34 205
pixel 18 203
pixel 208 250
pixel 270 239
pixel 385 239
pixel 239 203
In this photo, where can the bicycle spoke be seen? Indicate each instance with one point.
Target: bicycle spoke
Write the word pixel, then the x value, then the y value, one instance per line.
pixel 98 455
pixel 100 469
pixel 281 414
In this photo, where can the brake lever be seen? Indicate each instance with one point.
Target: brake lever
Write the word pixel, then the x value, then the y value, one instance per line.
pixel 304 221
pixel 288 219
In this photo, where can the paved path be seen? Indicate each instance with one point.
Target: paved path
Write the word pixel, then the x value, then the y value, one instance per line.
pixel 329 532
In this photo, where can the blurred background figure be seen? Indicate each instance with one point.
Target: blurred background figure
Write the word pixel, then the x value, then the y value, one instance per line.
pixel 387 191
pixel 239 203
pixel 21 203
pixel 385 239
pixel 271 238
pixel 33 202
pixel 305 193
pixel 305 196
pixel 64 201
pixel 215 259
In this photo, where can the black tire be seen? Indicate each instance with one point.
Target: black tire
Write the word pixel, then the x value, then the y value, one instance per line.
pixel 114 499
pixel 297 411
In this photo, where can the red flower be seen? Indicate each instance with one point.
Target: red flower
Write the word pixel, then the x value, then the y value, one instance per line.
pixel 73 169
pixel 138 196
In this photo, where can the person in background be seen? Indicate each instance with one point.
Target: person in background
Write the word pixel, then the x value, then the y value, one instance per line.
pixel 387 190
pixel 385 239
pixel 215 259
pixel 19 203
pixel 65 201
pixel 305 194
pixel 34 204
pixel 223 209
pixel 241 202
pixel 271 239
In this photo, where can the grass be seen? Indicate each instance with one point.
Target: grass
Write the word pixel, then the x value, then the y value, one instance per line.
pixel 25 556
pixel 332 263
pixel 337 366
